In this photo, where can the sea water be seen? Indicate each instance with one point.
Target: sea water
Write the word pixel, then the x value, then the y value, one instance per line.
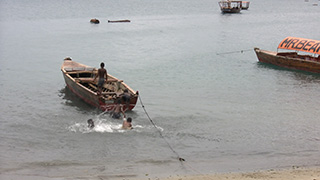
pixel 211 102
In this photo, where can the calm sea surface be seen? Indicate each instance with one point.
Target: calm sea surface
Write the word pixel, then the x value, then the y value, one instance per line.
pixel 218 108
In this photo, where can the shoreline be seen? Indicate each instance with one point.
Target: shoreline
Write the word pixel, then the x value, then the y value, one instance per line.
pixel 294 173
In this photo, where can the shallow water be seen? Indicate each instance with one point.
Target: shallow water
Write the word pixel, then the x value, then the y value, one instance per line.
pixel 218 108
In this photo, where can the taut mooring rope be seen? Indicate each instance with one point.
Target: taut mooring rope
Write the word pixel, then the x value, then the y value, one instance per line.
pixel 178 156
pixel 231 52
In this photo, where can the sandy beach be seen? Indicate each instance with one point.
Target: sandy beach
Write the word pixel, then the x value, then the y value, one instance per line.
pixel 294 173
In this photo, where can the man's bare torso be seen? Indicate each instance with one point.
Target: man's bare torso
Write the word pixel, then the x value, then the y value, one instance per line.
pixel 102 73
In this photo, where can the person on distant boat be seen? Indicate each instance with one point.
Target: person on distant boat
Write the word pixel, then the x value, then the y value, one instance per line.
pixel 127 123
pixel 103 77
pixel 125 96
pixel 117 110
pixel 90 123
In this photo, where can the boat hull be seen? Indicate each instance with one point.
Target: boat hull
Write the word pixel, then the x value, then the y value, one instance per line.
pixel 81 92
pixel 287 62
pixel 119 21
pixel 230 10
pixel 91 97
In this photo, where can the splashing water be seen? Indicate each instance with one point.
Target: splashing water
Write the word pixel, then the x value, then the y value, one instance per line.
pixel 104 125
pixel 101 125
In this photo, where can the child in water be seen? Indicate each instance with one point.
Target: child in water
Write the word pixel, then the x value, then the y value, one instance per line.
pixel 90 123
pixel 127 123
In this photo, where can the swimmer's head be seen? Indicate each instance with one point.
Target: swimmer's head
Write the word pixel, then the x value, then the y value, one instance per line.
pixel 129 119
pixel 90 123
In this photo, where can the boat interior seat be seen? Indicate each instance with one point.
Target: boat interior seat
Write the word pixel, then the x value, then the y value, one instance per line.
pixel 69 69
pixel 86 79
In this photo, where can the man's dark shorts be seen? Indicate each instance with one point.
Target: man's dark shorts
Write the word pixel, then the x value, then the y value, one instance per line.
pixel 100 82
pixel 116 115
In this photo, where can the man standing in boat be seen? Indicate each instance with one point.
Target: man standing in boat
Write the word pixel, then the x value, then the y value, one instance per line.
pixel 103 77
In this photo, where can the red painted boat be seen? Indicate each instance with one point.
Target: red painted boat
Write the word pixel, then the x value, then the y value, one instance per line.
pixel 294 60
pixel 79 79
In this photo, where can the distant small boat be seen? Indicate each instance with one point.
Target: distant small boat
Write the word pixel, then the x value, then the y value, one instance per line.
pixel 230 6
pixel 293 60
pixel 79 79
pixel 119 21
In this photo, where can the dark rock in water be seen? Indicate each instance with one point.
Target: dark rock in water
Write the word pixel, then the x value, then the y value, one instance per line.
pixel 95 21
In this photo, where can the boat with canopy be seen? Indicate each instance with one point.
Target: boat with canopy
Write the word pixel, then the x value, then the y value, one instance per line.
pixel 230 6
pixel 245 5
pixel 79 79
pixel 302 54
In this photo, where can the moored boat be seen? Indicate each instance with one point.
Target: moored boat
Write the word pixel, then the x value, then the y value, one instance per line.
pixel 79 79
pixel 230 6
pixel 294 60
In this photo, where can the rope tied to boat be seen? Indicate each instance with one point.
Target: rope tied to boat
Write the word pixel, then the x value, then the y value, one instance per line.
pixel 182 160
pixel 175 152
pixel 231 52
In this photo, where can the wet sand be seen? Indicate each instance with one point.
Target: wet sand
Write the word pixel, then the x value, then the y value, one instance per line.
pixel 294 173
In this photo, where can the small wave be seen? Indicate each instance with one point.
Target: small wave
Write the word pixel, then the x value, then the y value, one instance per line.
pixel 199 137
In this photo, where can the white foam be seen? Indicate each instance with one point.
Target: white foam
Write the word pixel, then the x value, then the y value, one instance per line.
pixel 107 127
pixel 103 125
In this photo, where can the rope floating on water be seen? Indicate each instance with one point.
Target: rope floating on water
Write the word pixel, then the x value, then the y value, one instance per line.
pixel 232 52
pixel 178 156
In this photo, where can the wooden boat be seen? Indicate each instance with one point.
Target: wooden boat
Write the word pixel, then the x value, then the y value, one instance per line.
pixel 79 79
pixel 230 6
pixel 293 60
pixel 119 21
pixel 245 5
